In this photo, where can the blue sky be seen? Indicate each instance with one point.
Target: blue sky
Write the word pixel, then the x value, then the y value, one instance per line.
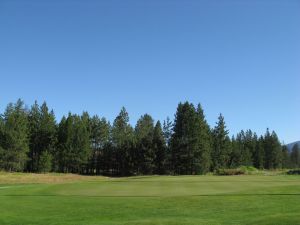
pixel 241 58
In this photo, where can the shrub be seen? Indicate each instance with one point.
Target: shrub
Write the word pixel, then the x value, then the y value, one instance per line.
pixel 294 172
pixel 229 172
pixel 248 169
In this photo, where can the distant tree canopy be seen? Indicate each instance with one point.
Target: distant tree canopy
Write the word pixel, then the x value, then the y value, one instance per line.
pixel 31 140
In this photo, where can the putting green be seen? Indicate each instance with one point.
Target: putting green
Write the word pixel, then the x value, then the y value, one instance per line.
pixel 253 199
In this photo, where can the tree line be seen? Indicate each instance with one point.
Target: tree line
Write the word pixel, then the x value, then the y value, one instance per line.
pixel 32 141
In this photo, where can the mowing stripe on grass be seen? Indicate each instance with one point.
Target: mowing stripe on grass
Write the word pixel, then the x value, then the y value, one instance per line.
pixel 153 196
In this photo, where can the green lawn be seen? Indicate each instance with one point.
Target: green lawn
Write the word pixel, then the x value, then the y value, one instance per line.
pixel 252 199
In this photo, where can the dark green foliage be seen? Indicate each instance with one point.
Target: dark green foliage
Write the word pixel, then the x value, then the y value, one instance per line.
pixel 190 142
pixel 204 138
pixel 286 162
pixel 295 156
pixel 221 145
pixel 14 137
pixel 168 132
pixel 243 149
pixel 249 147
pixel 74 144
pixel 294 172
pixel 31 140
pixel 235 155
pixel 45 162
pixel 183 140
pixel 100 141
pixel 144 131
pixel 259 154
pixel 236 171
pixel 160 148
pixel 247 150
pixel 273 151
pixel 42 138
pixel 123 145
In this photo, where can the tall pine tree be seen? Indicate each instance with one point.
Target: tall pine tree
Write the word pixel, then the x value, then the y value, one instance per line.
pixel 295 156
pixel 100 144
pixel 74 147
pixel 159 147
pixel 273 152
pixel 42 138
pixel 190 141
pixel 144 136
pixel 14 137
pixel 285 157
pixel 168 132
pixel 221 145
pixel 123 145
pixel 259 154
pixel 203 152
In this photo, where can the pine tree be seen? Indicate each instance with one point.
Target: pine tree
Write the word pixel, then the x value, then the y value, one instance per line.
pixel 32 141
pixel 295 156
pixel 60 153
pixel 253 145
pixel 235 156
pixel 45 162
pixel 183 139
pixel 268 150
pixel 144 136
pixel 2 141
pixel 285 157
pixel 168 132
pixel 33 122
pixel 74 144
pixel 159 147
pixel 248 148
pixel 204 137
pixel 123 145
pixel 42 128
pixel 100 140
pixel 14 137
pixel 258 158
pixel 273 154
pixel 221 145
pixel 190 142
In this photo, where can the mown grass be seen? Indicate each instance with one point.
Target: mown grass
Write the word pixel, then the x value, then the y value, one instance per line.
pixel 247 199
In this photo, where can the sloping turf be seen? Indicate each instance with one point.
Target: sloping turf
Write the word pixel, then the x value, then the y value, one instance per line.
pixel 151 200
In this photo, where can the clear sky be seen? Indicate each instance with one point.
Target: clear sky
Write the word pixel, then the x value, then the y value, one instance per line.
pixel 241 58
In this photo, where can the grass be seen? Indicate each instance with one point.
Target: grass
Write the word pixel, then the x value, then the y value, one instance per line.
pixel 56 199
pixel 24 178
